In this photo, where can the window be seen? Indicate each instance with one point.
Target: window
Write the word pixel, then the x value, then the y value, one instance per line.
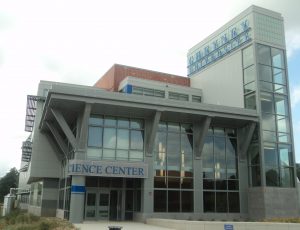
pixel 196 99
pixel 148 92
pixel 178 96
pixel 173 168
pixel 220 171
pixel 112 138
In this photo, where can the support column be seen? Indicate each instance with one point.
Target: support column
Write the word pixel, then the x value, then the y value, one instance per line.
pixel 78 182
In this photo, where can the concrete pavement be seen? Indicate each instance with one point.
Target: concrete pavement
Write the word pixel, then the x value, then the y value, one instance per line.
pixel 103 225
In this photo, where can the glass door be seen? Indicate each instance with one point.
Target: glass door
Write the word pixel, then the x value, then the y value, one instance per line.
pixel 115 212
pixel 103 207
pixel 90 205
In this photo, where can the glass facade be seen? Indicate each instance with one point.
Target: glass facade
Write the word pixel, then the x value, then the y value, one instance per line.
pixel 112 138
pixel 220 171
pixel 276 133
pixel 173 168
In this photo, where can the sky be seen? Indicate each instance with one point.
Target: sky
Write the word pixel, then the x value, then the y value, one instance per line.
pixel 78 41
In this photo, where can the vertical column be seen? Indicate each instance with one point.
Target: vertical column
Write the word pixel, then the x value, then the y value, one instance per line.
pixel 78 182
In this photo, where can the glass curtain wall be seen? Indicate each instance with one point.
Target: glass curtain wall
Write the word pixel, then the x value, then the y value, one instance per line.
pixel 173 168
pixel 112 138
pixel 274 106
pixel 220 171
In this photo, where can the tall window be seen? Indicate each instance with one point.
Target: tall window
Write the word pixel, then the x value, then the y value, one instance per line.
pixel 112 138
pixel 173 168
pixel 249 78
pixel 277 146
pixel 220 171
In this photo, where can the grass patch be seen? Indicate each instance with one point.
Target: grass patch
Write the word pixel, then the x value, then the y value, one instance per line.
pixel 20 220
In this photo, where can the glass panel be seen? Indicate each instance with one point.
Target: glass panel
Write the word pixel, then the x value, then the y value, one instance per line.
pixel 95 137
pixel 270 153
pixel 91 199
pixel 287 177
pixel 136 155
pixel 148 92
pixel 159 93
pixel 109 140
pixel 248 56
pixel 196 99
pixel 281 104
pixel 123 139
pixel 255 175
pixel 95 121
pixel 249 87
pixel 186 143
pixel 94 153
pixel 272 177
pixel 269 136
pixel 187 201
pixel 249 74
pixel 267 104
pixel 137 139
pixel 268 122
pixel 110 121
pixel 285 155
pixel 187 164
pixel 173 182
pixel 279 76
pixel 129 200
pixel 264 54
pixel 250 101
pixel 219 151
pixel 266 86
pixel 122 155
pixel 160 182
pixel 160 142
pixel 186 128
pixel 209 184
pixel 108 154
pixel 233 185
pixel 283 124
pixel 173 127
pixel 277 58
pixel 221 202
pixel 265 73
pixel 233 202
pixel 207 153
pixel 284 137
pixel 173 201
pixel 91 181
pixel 162 126
pixel 136 124
pixel 104 199
pixel 209 201
pixel 219 131
pixel 123 123
pixel 186 183
pixel 280 89
pixel 221 184
pixel 253 152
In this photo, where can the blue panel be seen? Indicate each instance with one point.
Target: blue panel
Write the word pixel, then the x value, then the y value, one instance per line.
pixel 77 189
pixel 129 89
pixel 228 227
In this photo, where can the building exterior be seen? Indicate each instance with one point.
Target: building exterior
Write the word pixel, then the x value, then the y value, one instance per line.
pixel 141 144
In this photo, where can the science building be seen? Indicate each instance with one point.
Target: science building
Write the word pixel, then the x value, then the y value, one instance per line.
pixel 139 144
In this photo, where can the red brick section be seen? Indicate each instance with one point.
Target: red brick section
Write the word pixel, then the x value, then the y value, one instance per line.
pixel 112 78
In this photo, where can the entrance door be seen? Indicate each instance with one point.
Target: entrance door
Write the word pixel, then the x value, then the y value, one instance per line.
pixel 103 206
pixel 115 212
pixel 90 205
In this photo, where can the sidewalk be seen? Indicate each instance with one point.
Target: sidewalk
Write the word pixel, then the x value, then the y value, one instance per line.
pixel 103 225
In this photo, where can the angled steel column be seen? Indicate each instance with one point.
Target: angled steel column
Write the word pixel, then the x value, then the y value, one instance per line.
pixel 199 136
pixel 152 133
pixel 62 145
pixel 244 139
pixel 64 126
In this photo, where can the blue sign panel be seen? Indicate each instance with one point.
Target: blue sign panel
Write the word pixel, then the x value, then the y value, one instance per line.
pixel 228 227
pixel 77 189
pixel 220 46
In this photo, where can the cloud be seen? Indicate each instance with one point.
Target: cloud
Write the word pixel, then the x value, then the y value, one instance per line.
pixel 6 21
pixel 292 41
pixel 295 96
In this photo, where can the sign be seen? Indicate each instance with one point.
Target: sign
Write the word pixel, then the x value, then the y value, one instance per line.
pixel 221 45
pixel 108 168
pixel 228 227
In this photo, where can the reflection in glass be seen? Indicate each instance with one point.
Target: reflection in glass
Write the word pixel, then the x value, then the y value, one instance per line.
pixel 270 154
pixel 249 87
pixel 108 154
pixel 268 122
pixel 267 103
pixel 248 56
pixel 279 76
pixel 285 155
pixel 95 136
pixel 266 86
pixel 209 201
pixel 94 153
pixel 110 121
pixel 173 201
pixel 109 139
pixel 123 139
pixel 137 139
pixel 221 202
pixel 283 124
pixel 265 73
pixel 250 101
pixel 234 202
pixel 277 58
pixel 287 177
pixel 264 54
pixel 269 136
pixel 160 200
pixel 249 74
pixel 272 177
pixel 281 104
pixel 187 201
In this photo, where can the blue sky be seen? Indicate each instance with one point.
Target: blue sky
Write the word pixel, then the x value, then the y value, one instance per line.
pixel 77 41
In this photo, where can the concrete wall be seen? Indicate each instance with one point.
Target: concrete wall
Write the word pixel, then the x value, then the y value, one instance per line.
pixel 222 82
pixel 50 197
pixel 203 225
